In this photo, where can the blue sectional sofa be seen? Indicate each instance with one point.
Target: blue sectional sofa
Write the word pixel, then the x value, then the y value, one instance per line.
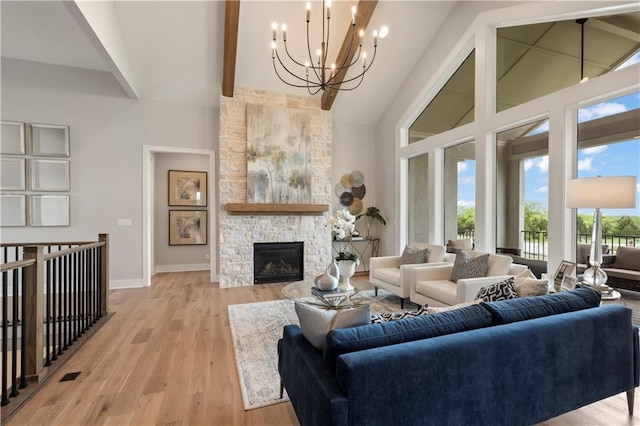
pixel 514 362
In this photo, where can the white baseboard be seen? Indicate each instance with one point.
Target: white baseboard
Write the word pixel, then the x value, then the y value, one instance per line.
pixel 118 284
pixel 183 268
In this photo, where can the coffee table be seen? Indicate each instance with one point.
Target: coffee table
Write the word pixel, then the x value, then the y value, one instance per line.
pixel 303 291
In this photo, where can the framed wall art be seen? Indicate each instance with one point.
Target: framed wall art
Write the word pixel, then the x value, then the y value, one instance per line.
pixel 49 140
pixel 566 268
pixel 49 175
pixel 13 210
pixel 48 210
pixel 12 138
pixel 187 227
pixel 12 174
pixel 187 188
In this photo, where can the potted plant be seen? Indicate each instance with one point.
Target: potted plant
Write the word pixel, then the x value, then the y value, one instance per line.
pixel 372 213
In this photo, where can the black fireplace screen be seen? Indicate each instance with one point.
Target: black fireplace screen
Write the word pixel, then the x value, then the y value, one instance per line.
pixel 278 262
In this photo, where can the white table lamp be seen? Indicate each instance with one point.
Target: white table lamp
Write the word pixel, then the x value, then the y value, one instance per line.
pixel 610 192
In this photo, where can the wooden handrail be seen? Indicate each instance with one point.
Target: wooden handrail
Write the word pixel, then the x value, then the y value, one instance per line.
pixel 72 250
pixel 50 243
pixel 17 264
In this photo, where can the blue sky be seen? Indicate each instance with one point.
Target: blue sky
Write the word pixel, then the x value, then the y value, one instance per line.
pixel 617 159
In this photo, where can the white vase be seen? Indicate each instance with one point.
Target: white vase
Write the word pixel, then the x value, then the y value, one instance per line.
pixel 347 269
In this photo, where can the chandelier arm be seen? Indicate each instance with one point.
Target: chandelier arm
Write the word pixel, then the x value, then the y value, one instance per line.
pixel 286 49
pixel 312 65
pixel 288 83
pixel 338 86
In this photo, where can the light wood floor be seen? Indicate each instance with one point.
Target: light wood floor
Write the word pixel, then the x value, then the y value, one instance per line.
pixel 166 357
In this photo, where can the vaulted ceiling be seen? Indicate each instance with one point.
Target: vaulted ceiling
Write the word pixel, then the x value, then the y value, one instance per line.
pixel 175 50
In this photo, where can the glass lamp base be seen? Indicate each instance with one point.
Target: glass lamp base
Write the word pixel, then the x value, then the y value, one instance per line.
pixel 595 276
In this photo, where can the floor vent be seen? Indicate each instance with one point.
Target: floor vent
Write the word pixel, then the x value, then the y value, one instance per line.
pixel 69 376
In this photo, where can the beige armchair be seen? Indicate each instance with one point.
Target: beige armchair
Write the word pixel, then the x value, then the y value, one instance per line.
pixel 387 273
pixel 433 286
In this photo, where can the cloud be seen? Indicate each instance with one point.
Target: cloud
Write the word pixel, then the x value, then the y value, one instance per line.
pixel 463 203
pixel 585 164
pixel 594 150
pixel 529 164
pixel 543 189
pixel 543 164
pixel 467 180
pixel 638 187
pixel 462 166
pixel 603 109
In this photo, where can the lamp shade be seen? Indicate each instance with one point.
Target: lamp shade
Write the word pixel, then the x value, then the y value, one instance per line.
pixel 604 192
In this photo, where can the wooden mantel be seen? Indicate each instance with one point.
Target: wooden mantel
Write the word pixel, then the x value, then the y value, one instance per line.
pixel 276 209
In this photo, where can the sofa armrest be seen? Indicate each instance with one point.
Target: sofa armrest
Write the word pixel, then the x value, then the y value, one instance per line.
pixel 384 262
pixel 449 257
pixel 469 287
pixel 314 393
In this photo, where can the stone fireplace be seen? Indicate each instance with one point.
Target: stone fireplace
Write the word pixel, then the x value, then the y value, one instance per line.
pixel 239 232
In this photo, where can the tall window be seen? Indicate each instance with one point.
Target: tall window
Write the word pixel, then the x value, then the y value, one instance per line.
pixel 608 145
pixel 538 59
pixel 459 191
pixel 522 183
pixel 452 107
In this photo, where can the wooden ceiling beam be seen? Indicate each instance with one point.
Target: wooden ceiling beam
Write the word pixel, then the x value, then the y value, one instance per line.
pixel 231 19
pixel 364 13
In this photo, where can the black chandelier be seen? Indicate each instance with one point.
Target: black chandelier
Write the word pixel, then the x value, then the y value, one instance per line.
pixel 317 75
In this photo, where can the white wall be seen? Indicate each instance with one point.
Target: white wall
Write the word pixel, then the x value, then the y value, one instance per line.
pixel 107 132
pixel 176 258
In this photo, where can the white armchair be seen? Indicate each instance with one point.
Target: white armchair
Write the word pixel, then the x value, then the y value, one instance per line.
pixel 387 273
pixel 433 286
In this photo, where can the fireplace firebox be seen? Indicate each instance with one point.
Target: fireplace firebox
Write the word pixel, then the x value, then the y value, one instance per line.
pixel 278 262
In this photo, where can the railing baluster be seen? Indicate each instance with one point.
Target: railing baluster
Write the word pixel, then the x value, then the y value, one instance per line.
pixel 74 280
pixel 47 319
pixel 65 317
pixel 14 339
pixel 23 341
pixel 60 307
pixel 54 354
pixel 5 325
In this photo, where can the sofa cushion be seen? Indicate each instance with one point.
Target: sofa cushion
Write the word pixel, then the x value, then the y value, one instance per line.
pixel 444 290
pixel 455 246
pixel 583 251
pixel 626 274
pixel 388 275
pixel 412 256
pixel 503 290
pixel 316 323
pixel 525 308
pixel 354 339
pixel 627 258
pixel 469 265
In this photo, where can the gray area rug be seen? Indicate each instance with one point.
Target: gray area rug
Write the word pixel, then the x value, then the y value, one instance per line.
pixel 256 329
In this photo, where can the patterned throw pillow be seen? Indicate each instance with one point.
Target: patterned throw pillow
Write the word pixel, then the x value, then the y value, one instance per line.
pixel 411 256
pixel 503 290
pixel 466 266
pixel 392 316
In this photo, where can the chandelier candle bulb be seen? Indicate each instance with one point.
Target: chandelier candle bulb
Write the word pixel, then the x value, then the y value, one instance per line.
pixel 308 11
pixel 375 38
pixel 284 32
pixel 353 15
pixel 274 27
pixel 361 37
